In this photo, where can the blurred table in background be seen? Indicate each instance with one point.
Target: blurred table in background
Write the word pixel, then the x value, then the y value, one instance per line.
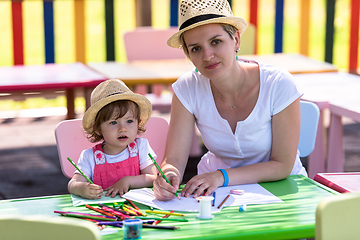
pixel 338 92
pixel 49 80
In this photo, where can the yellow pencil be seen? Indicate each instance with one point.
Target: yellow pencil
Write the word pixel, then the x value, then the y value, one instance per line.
pixel 166 213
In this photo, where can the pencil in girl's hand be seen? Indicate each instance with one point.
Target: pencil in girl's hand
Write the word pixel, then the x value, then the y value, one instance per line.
pixel 87 179
pixel 162 174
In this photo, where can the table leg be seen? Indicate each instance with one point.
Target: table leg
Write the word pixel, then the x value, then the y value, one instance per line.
pixel 316 163
pixel 336 158
pixel 87 95
pixel 70 103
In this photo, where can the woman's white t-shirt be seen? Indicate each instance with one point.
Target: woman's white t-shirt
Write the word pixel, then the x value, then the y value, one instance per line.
pixel 251 142
pixel 86 161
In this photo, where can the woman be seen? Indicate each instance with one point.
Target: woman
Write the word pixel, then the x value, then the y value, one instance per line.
pixel 248 113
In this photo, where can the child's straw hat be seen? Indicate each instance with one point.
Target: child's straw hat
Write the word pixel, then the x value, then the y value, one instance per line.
pixel 110 91
pixel 194 13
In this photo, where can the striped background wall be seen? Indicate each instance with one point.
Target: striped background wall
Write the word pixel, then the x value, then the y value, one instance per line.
pixel 48 31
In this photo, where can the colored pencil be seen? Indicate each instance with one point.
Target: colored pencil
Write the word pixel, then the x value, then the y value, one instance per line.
pixel 166 213
pixel 71 161
pixel 162 173
pixel 132 204
pixel 213 202
pixel 87 214
pixel 164 219
pixel 159 227
pixel 159 221
pixel 99 210
pixel 223 201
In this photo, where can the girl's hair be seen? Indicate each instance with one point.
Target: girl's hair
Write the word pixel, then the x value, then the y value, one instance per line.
pixel 120 108
pixel 230 29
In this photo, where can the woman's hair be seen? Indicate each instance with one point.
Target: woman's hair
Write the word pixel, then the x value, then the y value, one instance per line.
pixel 119 108
pixel 230 29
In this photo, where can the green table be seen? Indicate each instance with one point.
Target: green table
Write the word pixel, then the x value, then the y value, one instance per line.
pixel 292 219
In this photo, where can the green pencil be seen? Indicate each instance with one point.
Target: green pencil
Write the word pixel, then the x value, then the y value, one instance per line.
pixel 71 161
pixel 164 219
pixel 163 175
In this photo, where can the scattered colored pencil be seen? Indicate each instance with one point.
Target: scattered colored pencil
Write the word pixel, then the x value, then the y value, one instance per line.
pixel 99 210
pixel 162 173
pixel 164 219
pixel 166 213
pixel 223 201
pixel 86 216
pixel 159 227
pixel 132 204
pixel 214 195
pixel 159 221
pixel 87 179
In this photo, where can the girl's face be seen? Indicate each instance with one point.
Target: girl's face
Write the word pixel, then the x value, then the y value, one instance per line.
pixel 211 49
pixel 118 133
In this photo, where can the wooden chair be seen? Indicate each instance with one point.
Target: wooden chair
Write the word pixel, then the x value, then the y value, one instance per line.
pixel 309 123
pixel 338 217
pixel 38 227
pixel 71 141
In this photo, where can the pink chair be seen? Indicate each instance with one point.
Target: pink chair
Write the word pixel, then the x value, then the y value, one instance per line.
pixel 71 141
pixel 147 43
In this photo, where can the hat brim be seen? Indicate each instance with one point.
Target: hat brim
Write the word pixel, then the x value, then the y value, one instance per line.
pixel 143 103
pixel 238 22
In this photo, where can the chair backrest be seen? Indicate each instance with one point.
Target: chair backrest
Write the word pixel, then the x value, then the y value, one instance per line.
pixel 71 141
pixel 147 43
pixel 309 123
pixel 338 217
pixel 38 227
pixel 248 41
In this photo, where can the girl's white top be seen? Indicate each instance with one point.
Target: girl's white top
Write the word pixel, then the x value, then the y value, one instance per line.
pixel 86 161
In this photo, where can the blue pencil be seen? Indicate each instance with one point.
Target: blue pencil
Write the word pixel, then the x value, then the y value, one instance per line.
pixel 213 202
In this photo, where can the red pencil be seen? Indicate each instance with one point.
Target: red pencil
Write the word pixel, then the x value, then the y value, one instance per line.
pixel 132 204
pixel 99 210
pixel 159 221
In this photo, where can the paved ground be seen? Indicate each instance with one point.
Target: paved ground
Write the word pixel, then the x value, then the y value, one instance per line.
pixel 29 164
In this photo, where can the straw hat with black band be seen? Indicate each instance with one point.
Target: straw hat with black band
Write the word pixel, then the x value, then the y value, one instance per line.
pixel 194 13
pixel 110 91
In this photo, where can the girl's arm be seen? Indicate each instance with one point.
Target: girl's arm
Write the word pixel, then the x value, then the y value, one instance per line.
pixel 178 145
pixel 145 179
pixel 78 185
pixel 285 141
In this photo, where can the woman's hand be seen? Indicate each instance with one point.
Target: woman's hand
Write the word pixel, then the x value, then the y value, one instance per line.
pixel 204 183
pixel 164 191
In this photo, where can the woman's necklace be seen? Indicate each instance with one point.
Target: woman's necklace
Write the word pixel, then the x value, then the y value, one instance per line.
pixel 242 85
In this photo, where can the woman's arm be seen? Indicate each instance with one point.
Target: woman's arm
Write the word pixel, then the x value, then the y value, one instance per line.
pixel 285 141
pixel 178 144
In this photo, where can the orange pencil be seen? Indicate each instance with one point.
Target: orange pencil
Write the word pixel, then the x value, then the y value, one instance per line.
pixel 223 201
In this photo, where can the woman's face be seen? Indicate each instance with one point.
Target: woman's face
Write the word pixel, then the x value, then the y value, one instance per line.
pixel 211 49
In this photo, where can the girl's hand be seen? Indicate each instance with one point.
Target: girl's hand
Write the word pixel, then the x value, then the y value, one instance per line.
pixel 164 191
pixel 120 187
pixel 204 183
pixel 92 191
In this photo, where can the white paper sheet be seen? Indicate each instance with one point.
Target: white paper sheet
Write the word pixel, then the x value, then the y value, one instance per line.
pixel 254 194
pixel 79 201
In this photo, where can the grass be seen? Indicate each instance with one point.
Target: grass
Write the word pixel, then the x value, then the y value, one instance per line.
pixel 124 20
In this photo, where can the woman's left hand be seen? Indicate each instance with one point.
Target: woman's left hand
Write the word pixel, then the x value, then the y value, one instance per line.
pixel 204 183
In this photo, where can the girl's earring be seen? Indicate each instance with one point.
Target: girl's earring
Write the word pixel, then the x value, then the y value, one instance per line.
pixel 236 55
pixel 196 70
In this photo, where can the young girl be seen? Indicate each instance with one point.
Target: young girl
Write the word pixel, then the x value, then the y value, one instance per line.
pixel 121 161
